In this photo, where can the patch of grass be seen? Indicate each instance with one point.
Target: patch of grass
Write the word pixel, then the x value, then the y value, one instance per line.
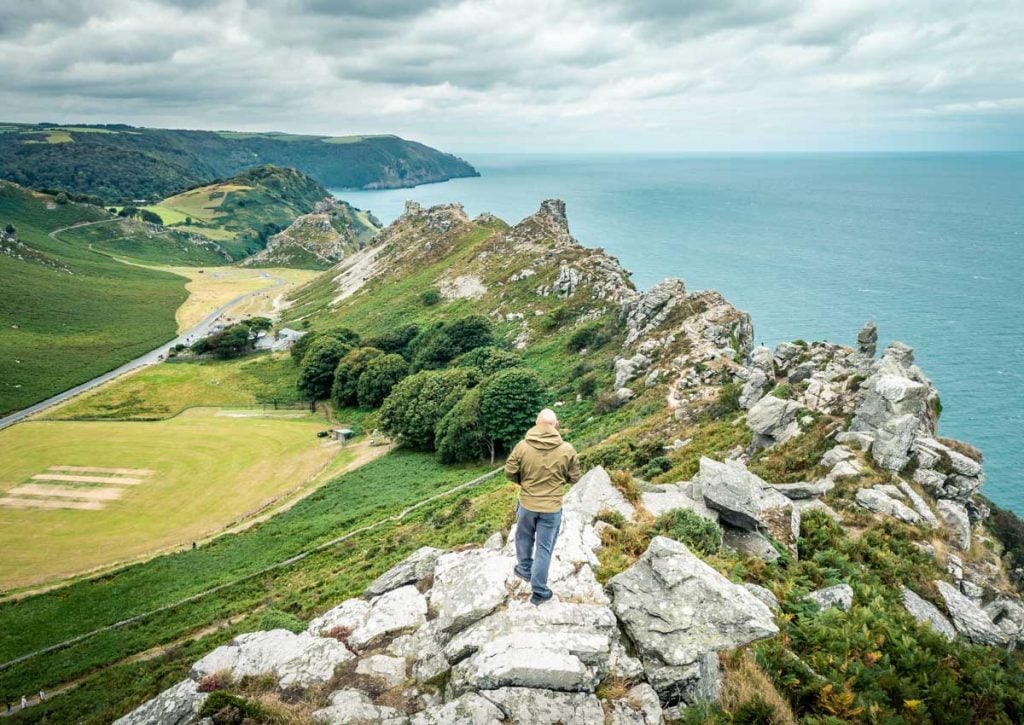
pixel 163 391
pixel 208 471
pixel 799 458
pixel 305 589
pixel 97 312
pixel 714 440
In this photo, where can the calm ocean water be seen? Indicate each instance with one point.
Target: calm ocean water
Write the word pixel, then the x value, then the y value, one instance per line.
pixel 930 246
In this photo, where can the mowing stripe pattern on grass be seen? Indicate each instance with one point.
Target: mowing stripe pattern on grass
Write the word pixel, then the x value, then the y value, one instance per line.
pixel 73 490
pixel 279 565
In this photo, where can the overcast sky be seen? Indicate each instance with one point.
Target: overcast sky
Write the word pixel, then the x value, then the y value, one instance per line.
pixel 532 75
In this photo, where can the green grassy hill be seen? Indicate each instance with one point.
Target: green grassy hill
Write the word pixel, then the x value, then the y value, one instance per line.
pixel 118 163
pixel 242 212
pixel 68 313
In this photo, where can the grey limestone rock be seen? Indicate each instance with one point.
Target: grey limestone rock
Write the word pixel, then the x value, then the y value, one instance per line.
pixel 397 611
pixel 745 501
pixel 970 620
pixel 469 709
pixel 774 420
pixel 418 565
pixel 347 616
pixel 669 497
pixel 354 706
pixel 390 671
pixel 956 517
pixel 919 504
pixel 468 585
pixel 867 339
pixel 879 502
pixel 927 613
pixel 545 707
pixel 594 493
pixel 294 659
pixel 749 543
pixel 805 490
pixel 679 612
pixel 813 504
pixel 839 596
pixel 640 706
pixel 178 705
pixel 628 368
pixel 764 595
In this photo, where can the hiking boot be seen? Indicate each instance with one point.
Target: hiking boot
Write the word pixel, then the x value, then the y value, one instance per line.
pixel 536 600
pixel 521 575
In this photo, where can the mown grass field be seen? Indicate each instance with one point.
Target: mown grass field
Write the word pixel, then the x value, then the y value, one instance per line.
pixel 163 391
pixel 210 468
pixel 68 314
pixel 109 686
pixel 211 287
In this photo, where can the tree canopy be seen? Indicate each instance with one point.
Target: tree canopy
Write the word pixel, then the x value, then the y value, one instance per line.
pixel 416 404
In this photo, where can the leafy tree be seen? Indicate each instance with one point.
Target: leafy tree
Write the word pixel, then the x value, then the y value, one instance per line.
pixel 381 375
pixel 316 374
pixel 348 337
pixel 459 435
pixel 488 360
pixel 437 345
pixel 229 342
pixel 418 403
pixel 508 404
pixel 188 221
pixel 396 340
pixel 128 211
pixel 347 374
pixel 61 198
pixel 149 216
pixel 10 229
pixel 257 326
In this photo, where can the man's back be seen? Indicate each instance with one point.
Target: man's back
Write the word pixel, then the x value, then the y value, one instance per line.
pixel 542 463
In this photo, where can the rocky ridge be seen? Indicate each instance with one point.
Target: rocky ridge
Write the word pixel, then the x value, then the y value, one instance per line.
pixel 324 237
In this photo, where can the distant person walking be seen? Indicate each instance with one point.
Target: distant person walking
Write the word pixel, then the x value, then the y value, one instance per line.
pixel 24 702
pixel 541 464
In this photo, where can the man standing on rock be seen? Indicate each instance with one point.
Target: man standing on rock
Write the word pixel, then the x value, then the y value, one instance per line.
pixel 541 464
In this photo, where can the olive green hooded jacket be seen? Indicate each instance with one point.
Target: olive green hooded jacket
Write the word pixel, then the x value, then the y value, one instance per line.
pixel 542 463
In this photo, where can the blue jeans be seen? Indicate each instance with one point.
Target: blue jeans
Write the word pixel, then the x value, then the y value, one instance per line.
pixel 538 529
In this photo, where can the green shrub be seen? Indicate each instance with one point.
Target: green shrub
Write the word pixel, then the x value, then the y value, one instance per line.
pixel 585 336
pixel 272 618
pixel 699 534
pixel 227 709
pixel 417 404
pixel 784 391
pixel 345 390
pixel 488 360
pixel 587 385
pixel 726 403
pixel 379 378
pixel 430 297
pixel 658 464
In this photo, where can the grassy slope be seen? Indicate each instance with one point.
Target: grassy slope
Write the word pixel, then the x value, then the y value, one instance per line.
pixel 139 241
pixel 209 471
pixel 98 316
pixel 241 212
pixel 162 391
pixel 368 494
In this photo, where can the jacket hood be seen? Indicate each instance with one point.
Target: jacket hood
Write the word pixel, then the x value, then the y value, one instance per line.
pixel 543 437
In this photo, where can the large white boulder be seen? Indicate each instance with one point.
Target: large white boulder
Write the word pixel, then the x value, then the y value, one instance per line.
pixel 679 612
pixel 468 585
pixel 178 705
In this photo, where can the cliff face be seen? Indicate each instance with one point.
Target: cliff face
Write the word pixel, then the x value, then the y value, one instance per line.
pixel 796 503
pixel 320 239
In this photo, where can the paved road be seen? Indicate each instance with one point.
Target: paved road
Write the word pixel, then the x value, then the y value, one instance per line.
pixel 153 356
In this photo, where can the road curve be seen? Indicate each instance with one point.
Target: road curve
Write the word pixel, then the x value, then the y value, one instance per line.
pixel 153 356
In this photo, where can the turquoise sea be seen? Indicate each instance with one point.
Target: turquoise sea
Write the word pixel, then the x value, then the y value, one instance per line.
pixel 930 246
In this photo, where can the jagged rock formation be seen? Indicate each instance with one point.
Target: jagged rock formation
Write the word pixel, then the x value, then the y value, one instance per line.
pixel 464 617
pixel 322 238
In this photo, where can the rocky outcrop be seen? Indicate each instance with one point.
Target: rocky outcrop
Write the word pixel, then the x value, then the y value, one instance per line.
pixel 840 596
pixel 878 501
pixel 867 339
pixel 178 705
pixel 956 517
pixel 970 620
pixel 745 501
pixel 464 617
pixel 927 613
pixel 679 612
pixel 773 420
pixel 292 659
pixel 326 236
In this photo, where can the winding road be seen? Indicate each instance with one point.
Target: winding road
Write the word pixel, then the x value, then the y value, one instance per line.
pixel 153 356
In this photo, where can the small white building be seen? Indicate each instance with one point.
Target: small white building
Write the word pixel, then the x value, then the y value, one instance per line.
pixel 283 339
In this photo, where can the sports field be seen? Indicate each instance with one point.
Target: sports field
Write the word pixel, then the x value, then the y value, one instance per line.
pixel 75 496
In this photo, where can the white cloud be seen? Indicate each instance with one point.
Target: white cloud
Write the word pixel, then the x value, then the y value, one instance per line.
pixel 474 75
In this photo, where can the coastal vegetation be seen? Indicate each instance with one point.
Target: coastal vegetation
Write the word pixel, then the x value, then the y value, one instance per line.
pixel 119 164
